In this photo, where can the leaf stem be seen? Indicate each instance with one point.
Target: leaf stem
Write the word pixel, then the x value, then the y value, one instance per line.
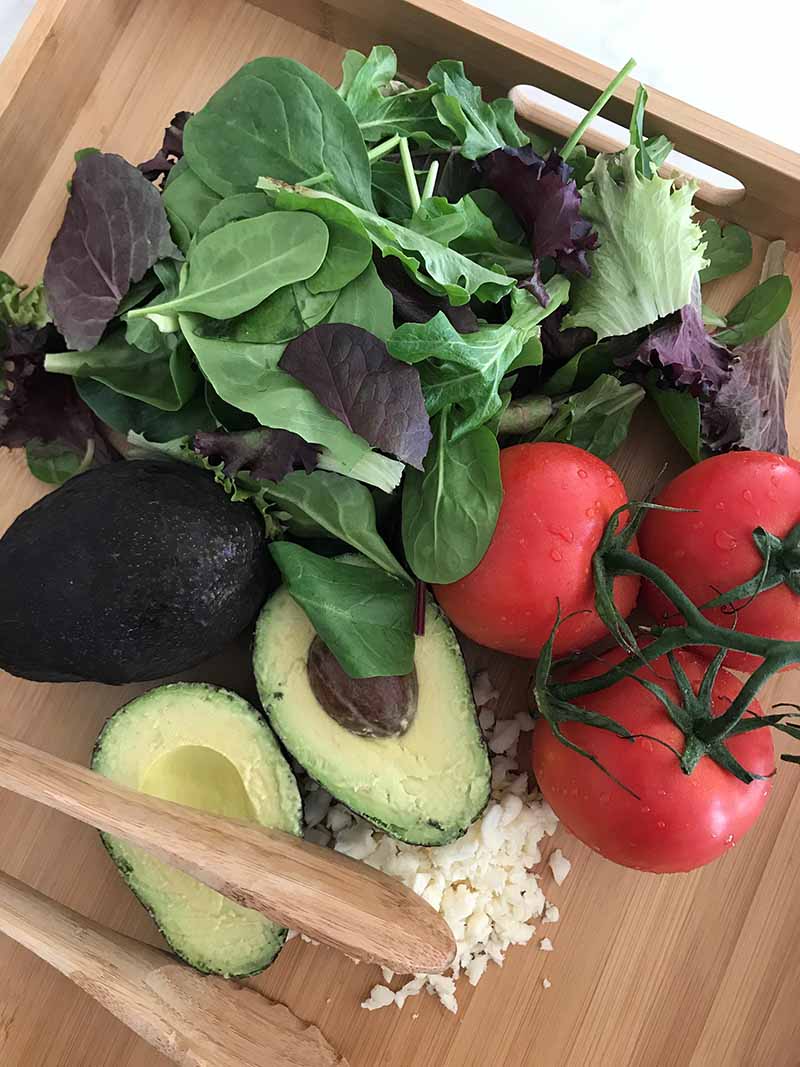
pixel 430 180
pixel 318 179
pixel 525 415
pixel 382 149
pixel 596 108
pixel 410 176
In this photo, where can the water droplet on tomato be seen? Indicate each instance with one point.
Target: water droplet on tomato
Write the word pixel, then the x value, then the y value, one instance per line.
pixel 680 553
pixel 729 841
pixel 590 513
pixel 611 481
pixel 645 810
pixel 604 798
pixel 556 556
pixel 565 534
pixel 582 473
pixel 747 496
pixel 661 792
pixel 720 505
pixel 724 541
pixel 661 824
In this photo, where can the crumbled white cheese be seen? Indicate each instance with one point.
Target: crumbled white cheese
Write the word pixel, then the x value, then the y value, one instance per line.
pixel 546 983
pixel 546 945
pixel 483 884
pixel 559 865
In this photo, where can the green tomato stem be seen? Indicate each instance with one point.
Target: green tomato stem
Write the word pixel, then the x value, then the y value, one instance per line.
pixel 595 109
pixel 410 176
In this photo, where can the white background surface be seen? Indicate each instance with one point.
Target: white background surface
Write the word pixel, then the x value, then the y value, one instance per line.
pixel 739 59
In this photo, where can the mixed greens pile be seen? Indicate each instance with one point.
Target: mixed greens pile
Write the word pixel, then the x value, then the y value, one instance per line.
pixel 339 300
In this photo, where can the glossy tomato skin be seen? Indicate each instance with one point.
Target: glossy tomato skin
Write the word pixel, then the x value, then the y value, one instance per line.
pixel 680 821
pixel 712 551
pixel 557 500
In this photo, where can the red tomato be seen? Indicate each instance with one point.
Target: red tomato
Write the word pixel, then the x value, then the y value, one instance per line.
pixel 680 821
pixel 712 551
pixel 557 500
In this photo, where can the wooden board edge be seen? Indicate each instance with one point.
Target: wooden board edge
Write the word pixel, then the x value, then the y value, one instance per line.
pixel 45 80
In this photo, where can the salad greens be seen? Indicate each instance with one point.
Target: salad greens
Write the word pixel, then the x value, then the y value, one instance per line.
pixel 341 302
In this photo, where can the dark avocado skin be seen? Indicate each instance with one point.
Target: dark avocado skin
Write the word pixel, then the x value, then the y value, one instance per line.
pixel 127 573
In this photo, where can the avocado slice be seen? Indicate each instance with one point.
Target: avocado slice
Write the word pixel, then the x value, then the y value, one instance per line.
pixel 209 749
pixel 425 786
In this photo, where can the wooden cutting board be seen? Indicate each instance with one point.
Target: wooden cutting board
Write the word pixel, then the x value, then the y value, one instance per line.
pixel 698 970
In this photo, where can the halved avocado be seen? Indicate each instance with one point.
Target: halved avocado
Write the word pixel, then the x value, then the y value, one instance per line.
pixel 209 749
pixel 425 786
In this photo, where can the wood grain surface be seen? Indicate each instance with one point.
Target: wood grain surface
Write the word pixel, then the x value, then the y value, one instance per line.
pixel 698 970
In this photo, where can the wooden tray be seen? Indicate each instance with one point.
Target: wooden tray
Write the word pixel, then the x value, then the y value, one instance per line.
pixel 700 970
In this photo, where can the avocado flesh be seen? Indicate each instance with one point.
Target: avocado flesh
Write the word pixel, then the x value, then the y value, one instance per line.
pixel 209 749
pixel 426 786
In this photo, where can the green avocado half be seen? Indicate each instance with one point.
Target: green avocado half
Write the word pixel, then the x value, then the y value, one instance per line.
pixel 426 786
pixel 209 749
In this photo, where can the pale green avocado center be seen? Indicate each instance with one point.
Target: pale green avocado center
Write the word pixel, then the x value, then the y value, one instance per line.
pixel 199 778
pixel 208 749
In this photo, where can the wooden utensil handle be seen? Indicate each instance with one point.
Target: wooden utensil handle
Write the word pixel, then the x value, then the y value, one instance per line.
pixel 331 898
pixel 194 1020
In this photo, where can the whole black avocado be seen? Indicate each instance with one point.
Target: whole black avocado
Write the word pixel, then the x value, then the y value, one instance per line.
pixel 129 572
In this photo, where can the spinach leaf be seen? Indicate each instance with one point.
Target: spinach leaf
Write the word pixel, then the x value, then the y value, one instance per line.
pixel 757 312
pixel 276 117
pixel 329 505
pixel 450 510
pixel 478 127
pixel 237 267
pixel 351 373
pixel 681 412
pixel 467 369
pixel 505 222
pixel 123 413
pixel 390 190
pixel 234 209
pixel 364 616
pixel 164 378
pixel 349 247
pixel 225 414
pixel 365 302
pixel 285 314
pixel 727 251
pixel 711 318
pixel 379 110
pixel 143 332
pixel 187 201
pixel 583 368
pixel 53 462
pixel 247 377
pixel 596 419
pixel 448 272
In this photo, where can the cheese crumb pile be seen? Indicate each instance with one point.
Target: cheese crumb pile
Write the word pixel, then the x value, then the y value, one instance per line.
pixel 483 884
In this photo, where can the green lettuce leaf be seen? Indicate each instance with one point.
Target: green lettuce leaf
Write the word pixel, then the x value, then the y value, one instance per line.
pixel 649 252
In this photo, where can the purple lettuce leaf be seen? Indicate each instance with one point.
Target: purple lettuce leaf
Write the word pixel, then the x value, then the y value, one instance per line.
pixel 749 409
pixel 412 303
pixel 561 345
pixel 684 353
pixel 349 370
pixel 268 454
pixel 171 150
pixel 546 200
pixel 36 405
pixel 115 228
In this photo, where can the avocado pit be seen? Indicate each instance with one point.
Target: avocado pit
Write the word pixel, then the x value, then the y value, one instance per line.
pixel 367 707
